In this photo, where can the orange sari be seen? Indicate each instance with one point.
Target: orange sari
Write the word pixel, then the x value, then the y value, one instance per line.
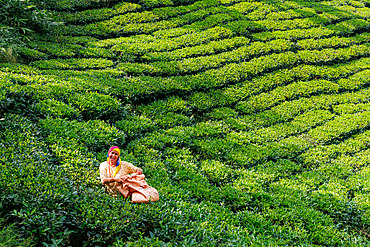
pixel 136 187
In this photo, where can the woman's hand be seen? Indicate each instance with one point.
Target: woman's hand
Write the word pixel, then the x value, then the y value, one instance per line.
pixel 119 180
pixel 111 180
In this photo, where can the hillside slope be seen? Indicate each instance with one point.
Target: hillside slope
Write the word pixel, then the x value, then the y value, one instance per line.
pixel 251 118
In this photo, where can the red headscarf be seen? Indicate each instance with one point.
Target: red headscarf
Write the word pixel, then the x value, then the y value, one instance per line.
pixel 115 148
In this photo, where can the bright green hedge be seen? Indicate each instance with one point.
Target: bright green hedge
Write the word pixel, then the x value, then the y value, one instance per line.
pixel 88 63
pixel 96 14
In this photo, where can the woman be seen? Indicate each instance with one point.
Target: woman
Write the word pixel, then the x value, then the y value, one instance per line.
pixel 114 171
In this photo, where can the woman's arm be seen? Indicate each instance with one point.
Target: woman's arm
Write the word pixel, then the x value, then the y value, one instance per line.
pixel 110 180
pixel 133 169
pixel 139 171
pixel 104 175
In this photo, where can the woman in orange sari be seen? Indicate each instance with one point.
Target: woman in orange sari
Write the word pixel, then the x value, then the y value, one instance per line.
pixel 114 171
pixel 125 178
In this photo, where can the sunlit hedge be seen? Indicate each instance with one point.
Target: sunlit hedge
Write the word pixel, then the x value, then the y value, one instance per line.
pixel 96 14
pixel 73 63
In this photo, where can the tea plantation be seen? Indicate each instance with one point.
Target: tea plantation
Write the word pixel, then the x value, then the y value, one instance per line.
pixel 250 117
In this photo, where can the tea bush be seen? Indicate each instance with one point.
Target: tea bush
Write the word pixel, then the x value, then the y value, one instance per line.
pixel 192 65
pixel 202 49
pixel 55 108
pixel 341 28
pixel 318 155
pixel 96 52
pixel 231 73
pixel 67 39
pixel 28 53
pixel 332 42
pixel 291 91
pixel 182 41
pixel 39 195
pixel 299 124
pixel 56 49
pixel 87 63
pixel 64 5
pixel 96 14
pixel 288 110
pixel 277 78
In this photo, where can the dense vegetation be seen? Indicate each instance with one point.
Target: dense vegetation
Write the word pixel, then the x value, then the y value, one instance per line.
pixel 251 118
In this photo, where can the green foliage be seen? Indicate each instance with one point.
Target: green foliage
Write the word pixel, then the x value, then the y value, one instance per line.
pixel 55 49
pixel 96 14
pixel 38 196
pixel 97 52
pixel 135 125
pixel 29 53
pixel 198 50
pixel 88 63
pixel 18 21
pixel 332 42
pixel 156 3
pixel 175 43
pixel 251 118
pixel 341 28
pixel 9 236
pixel 96 135
pixel 63 5
pixel 192 65
pixel 22 16
pixel 55 108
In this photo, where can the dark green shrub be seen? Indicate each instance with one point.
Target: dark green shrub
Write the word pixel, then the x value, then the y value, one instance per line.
pixel 18 20
pixel 39 196
pixel 9 236
pixel 23 16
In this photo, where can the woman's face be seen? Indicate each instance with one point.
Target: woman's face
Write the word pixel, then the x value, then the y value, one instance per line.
pixel 113 156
